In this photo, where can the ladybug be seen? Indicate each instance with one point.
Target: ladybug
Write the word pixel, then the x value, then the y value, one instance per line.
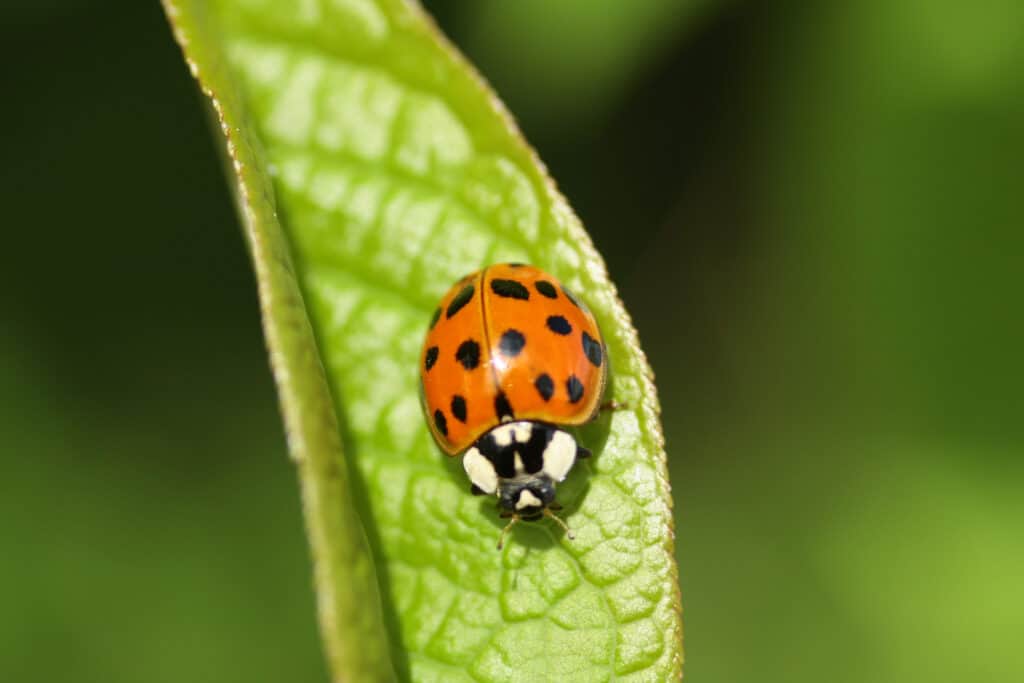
pixel 511 359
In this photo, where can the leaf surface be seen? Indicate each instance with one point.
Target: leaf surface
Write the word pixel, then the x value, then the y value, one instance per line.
pixel 374 168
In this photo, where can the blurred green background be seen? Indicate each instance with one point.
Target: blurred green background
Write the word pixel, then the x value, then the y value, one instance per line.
pixel 813 211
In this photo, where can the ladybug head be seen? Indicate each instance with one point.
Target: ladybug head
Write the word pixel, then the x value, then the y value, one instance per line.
pixel 521 462
pixel 527 498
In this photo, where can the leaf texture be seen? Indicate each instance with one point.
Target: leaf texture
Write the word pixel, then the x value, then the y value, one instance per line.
pixel 374 169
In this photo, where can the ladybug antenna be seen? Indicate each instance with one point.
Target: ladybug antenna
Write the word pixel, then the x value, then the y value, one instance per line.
pixel 568 532
pixel 501 539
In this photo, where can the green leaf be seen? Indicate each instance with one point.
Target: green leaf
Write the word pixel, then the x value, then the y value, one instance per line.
pixel 374 168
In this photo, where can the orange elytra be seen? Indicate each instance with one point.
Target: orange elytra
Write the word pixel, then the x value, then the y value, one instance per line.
pixel 512 357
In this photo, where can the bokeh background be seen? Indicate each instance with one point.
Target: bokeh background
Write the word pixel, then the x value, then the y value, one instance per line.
pixel 813 211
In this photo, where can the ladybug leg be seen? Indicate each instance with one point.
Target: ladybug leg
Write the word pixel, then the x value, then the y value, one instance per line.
pixel 568 532
pixel 505 514
pixel 501 539
pixel 582 452
pixel 553 505
pixel 612 405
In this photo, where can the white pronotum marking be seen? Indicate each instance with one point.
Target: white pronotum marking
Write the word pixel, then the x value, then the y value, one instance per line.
pixel 480 471
pixel 527 500
pixel 559 456
pixel 512 432
pixel 504 434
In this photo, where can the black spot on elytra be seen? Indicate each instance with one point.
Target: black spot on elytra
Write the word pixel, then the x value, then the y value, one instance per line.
pixel 460 300
pixel 559 325
pixel 435 318
pixel 545 386
pixel 459 408
pixel 431 358
pixel 468 354
pixel 502 408
pixel 575 388
pixel 510 289
pixel 592 348
pixel 440 422
pixel 546 288
pixel 570 297
pixel 511 343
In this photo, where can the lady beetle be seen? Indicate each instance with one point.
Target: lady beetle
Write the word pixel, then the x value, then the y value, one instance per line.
pixel 510 358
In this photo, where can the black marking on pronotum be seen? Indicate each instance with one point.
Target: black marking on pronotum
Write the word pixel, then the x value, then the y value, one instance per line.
pixel 559 325
pixel 502 408
pixel 430 359
pixel 592 348
pixel 570 297
pixel 435 317
pixel 511 343
pixel 503 459
pixel 440 422
pixel 574 388
pixel 510 289
pixel 468 354
pixel 460 300
pixel 459 408
pixel 531 452
pixel 545 386
pixel 546 288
